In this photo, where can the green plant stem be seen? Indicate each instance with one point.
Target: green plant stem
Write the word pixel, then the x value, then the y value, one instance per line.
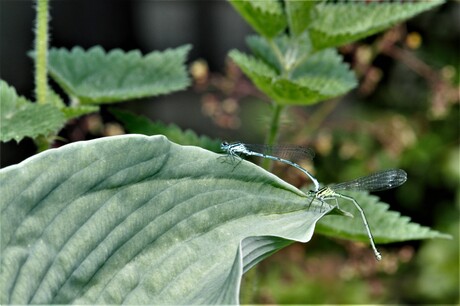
pixel 320 115
pixel 41 63
pixel 274 124
pixel 273 131
pixel 277 108
pixel 41 52
pixel 42 143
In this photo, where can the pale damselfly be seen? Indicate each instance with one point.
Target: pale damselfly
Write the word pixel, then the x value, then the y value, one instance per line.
pixel 274 152
pixel 375 182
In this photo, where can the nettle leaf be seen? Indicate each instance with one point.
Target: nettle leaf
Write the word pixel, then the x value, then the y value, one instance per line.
pixel 94 76
pixel 299 15
pixel 142 125
pixel 266 17
pixel 336 24
pixel 327 73
pixel 21 118
pixel 295 50
pixel 322 76
pixel 386 226
pixel 73 111
pixel 262 51
pixel 140 220
pixel 54 99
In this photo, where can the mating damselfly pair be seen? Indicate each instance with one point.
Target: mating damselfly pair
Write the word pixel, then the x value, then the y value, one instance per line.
pixel 375 182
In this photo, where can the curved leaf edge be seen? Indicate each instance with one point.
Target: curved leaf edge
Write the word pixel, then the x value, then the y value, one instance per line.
pixel 303 236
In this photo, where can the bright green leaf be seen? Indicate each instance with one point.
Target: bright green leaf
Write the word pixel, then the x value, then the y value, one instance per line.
pixel 322 76
pixel 54 99
pixel 299 15
pixel 73 111
pixel 140 220
pixel 336 24
pixel 21 118
pixel 79 110
pixel 326 73
pixel 293 51
pixel 266 17
pixel 95 76
pixel 262 51
pixel 386 226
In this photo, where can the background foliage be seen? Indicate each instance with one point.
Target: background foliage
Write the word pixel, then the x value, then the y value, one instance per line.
pixel 402 114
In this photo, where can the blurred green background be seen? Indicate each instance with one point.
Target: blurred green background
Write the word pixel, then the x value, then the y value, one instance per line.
pixel 404 114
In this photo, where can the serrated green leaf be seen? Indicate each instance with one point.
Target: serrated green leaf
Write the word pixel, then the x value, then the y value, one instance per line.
pixel 54 99
pixel 322 76
pixel 142 125
pixel 262 51
pixel 299 15
pixel 140 220
pixel 95 76
pixel 293 50
pixel 21 118
pixel 387 226
pixel 79 110
pixel 266 17
pixel 326 72
pixel 73 111
pixel 336 24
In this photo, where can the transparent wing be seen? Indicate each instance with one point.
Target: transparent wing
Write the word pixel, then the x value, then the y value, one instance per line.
pixel 375 182
pixel 289 152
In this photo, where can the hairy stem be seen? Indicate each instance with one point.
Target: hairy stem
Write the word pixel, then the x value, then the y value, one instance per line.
pixel 41 52
pixel 273 131
pixel 41 62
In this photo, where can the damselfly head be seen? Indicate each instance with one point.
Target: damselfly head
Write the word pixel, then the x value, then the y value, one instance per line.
pixel 224 145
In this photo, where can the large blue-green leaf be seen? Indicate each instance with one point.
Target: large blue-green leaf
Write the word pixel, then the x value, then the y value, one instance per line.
pixel 140 220
pixel 96 76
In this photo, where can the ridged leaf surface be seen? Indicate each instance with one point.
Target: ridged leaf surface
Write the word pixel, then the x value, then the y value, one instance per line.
pixel 140 220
